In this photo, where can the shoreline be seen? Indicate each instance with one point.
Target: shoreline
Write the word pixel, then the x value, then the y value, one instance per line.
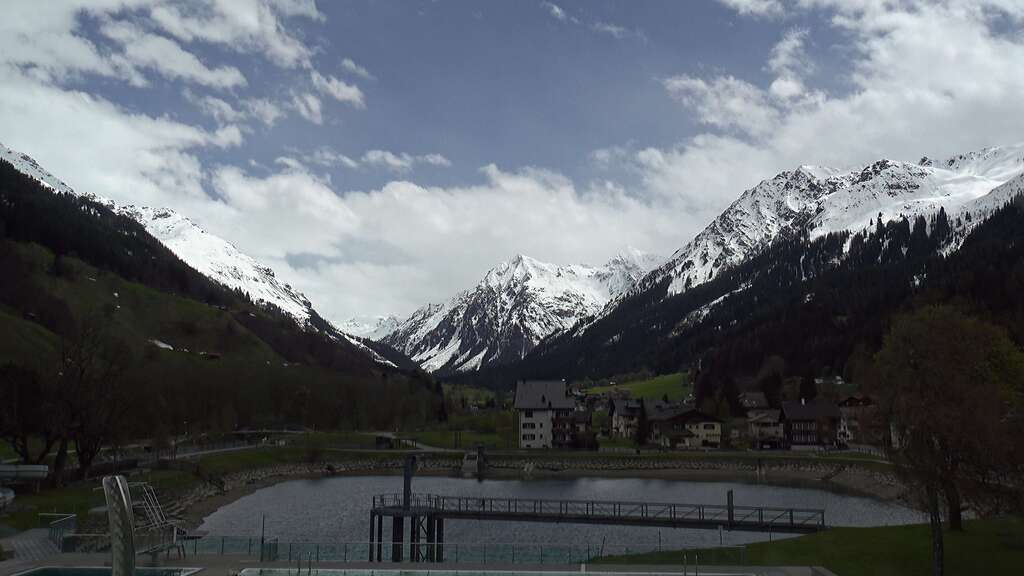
pixel 849 480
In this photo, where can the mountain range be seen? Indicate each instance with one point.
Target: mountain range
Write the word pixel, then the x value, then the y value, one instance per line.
pixel 515 305
pixel 523 301
pixel 818 201
pixel 210 255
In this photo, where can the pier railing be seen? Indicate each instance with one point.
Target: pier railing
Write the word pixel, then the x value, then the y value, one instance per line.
pixel 599 511
pixel 496 553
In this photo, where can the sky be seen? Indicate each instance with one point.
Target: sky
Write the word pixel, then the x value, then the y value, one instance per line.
pixel 379 154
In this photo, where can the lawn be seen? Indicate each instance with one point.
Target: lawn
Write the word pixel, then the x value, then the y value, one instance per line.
pixel 79 498
pixel 466 439
pixel 472 394
pixel 676 386
pixel 985 547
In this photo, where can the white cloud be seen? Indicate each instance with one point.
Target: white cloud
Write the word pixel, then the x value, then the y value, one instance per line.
pixel 252 26
pixel 791 64
pixel 389 250
pixel 214 107
pixel 613 30
pixel 338 89
pixel 348 65
pixel 98 147
pixel 328 157
pixel 308 106
pixel 223 112
pixel 264 110
pixel 932 79
pixel 165 56
pixel 726 102
pixel 755 7
pixel 555 10
pixel 401 162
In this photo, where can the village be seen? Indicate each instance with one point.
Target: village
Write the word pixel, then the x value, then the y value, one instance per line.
pixel 551 414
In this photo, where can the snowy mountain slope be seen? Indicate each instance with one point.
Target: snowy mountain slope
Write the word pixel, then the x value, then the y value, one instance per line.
pixel 208 254
pixel 372 327
pixel 818 200
pixel 513 307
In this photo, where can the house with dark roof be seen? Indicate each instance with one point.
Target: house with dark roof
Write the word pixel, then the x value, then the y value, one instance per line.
pixel 680 427
pixel 544 414
pixel 624 414
pixel 809 423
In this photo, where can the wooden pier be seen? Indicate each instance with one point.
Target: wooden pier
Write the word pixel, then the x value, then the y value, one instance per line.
pixel 427 513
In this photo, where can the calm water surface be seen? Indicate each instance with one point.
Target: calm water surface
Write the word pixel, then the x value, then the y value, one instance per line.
pixel 333 510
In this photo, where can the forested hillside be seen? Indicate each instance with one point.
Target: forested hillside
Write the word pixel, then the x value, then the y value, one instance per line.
pixel 106 336
pixel 821 306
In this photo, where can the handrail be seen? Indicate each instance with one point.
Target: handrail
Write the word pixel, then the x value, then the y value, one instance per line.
pixel 383 499
pixel 741 515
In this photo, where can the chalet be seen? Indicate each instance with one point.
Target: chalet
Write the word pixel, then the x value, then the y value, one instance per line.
pixel 625 417
pixel 765 428
pixel 681 427
pixel 813 423
pixel 544 414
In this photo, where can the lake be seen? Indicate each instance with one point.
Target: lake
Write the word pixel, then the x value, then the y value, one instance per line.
pixel 333 510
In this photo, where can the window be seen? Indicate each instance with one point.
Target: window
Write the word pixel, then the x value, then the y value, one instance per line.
pixel 529 425
pixel 529 436
pixel 709 426
pixel 528 414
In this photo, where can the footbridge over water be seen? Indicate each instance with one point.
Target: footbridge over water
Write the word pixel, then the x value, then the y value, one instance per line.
pixel 428 512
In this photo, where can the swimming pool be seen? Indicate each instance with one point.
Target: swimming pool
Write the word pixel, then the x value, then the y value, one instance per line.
pixel 104 571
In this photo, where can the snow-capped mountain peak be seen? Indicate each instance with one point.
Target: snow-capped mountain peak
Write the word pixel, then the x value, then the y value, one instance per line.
pixel 818 200
pixel 372 327
pixel 515 305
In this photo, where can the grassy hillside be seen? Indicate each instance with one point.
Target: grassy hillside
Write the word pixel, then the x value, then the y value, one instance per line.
pixel 676 386
pixel 219 374
pixel 985 547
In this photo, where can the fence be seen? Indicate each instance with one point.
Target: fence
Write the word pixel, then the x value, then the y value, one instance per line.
pixel 58 525
pixel 451 553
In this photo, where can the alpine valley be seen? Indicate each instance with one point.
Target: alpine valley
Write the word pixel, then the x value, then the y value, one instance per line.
pixel 538 318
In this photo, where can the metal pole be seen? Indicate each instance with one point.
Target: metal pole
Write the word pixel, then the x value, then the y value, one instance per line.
pixel 730 509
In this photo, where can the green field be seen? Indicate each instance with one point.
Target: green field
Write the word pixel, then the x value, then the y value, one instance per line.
pixel 472 394
pixel 993 547
pixel 676 386
pixel 492 428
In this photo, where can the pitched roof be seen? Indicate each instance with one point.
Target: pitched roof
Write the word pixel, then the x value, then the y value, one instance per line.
pixel 811 410
pixel 662 412
pixel 543 395
pixel 766 414
pixel 625 408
